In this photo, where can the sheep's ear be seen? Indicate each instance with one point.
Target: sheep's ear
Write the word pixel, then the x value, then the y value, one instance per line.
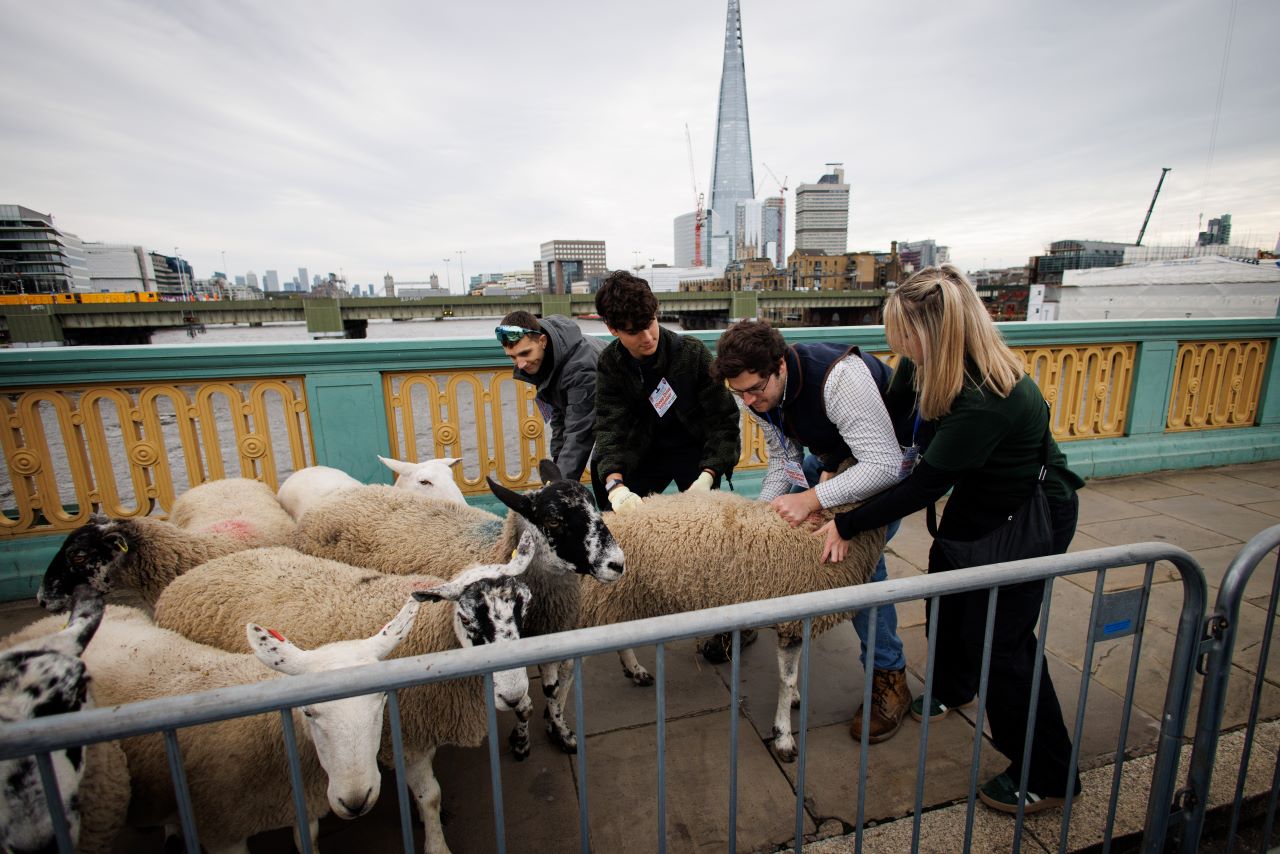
pixel 87 609
pixel 274 650
pixel 384 642
pixel 397 466
pixel 99 519
pixel 451 461
pixel 517 502
pixel 550 471
pixel 522 556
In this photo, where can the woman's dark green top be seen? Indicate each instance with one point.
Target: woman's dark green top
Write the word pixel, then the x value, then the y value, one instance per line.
pixel 986 450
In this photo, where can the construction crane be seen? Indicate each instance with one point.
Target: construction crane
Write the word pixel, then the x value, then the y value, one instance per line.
pixel 698 198
pixel 782 191
pixel 1164 170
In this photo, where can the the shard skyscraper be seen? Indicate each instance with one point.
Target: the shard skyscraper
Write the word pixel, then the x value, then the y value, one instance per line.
pixel 732 180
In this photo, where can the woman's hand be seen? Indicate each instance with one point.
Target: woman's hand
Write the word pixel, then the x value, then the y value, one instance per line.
pixel 835 547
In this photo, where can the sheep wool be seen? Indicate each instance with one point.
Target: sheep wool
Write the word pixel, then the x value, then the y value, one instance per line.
pixel 315 601
pixel 690 551
pixel 237 507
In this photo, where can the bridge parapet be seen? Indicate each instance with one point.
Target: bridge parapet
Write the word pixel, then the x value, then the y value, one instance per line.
pixel 123 431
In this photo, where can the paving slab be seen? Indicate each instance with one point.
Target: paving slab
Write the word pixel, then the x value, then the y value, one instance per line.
pixel 912 542
pixel 613 701
pixel 1271 508
pixel 1216 484
pixel 1104 710
pixel 1131 489
pixel 1096 506
pixel 1215 561
pixel 622 780
pixel 1266 473
pixel 1157 529
pixel 1234 521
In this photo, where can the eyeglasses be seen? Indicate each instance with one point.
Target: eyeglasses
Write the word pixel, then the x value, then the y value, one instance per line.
pixel 508 335
pixel 755 391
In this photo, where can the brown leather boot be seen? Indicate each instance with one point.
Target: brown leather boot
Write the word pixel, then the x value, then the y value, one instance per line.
pixel 890 699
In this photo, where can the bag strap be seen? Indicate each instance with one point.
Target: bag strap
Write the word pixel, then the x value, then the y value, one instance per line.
pixel 931 512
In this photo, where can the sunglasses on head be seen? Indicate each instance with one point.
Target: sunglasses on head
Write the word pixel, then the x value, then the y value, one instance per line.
pixel 511 334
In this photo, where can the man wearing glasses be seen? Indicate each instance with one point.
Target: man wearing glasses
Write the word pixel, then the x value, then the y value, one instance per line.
pixel 659 415
pixel 826 398
pixel 555 357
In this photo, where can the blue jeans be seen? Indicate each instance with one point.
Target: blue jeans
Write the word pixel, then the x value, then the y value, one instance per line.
pixel 889 654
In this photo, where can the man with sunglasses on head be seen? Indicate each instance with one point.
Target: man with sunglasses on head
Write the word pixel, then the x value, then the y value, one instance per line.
pixel 555 357
pixel 659 415
pixel 825 398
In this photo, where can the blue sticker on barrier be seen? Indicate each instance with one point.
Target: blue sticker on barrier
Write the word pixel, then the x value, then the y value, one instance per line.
pixel 1113 628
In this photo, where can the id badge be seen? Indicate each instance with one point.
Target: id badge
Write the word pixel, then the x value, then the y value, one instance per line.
pixel 545 409
pixel 795 474
pixel 662 397
pixel 910 456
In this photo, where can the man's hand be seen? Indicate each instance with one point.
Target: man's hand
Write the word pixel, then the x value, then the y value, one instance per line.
pixel 834 547
pixel 623 500
pixel 702 484
pixel 795 507
pixel 825 476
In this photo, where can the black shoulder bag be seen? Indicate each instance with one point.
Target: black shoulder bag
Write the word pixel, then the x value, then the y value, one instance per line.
pixel 1028 532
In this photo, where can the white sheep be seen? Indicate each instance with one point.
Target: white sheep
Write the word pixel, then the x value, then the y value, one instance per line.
pixel 396 532
pixel 237 775
pixel 236 507
pixel 142 555
pixel 432 478
pixel 313 485
pixel 691 551
pixel 318 600
pixel 45 676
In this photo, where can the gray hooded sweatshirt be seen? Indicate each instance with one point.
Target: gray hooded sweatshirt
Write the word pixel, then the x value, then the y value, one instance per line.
pixel 566 383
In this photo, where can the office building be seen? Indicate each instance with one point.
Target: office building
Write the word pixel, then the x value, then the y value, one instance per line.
pixel 119 267
pixel 922 253
pixel 732 177
pixel 822 213
pixel 564 262
pixel 773 230
pixel 174 279
pixel 1219 233
pixel 271 281
pixel 1075 255
pixel 303 281
pixel 36 256
pixel 684 241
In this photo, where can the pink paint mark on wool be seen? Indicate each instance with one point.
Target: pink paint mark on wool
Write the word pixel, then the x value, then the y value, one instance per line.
pixel 241 529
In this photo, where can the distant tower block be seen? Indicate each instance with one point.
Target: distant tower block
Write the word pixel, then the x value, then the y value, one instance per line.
pixel 388 285
pixel 732 179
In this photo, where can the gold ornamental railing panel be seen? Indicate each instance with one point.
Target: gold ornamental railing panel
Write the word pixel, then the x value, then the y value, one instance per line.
pixel 1217 384
pixel 1088 387
pixel 129 449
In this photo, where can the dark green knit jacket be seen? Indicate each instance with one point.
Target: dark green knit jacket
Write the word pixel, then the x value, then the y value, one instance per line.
pixel 625 420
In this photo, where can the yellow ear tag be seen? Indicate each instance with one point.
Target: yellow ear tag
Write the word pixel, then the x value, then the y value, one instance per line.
pixel 122 545
pixel 513 554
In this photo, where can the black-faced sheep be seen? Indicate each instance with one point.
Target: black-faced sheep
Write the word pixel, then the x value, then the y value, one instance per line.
pixel 45 676
pixel 396 532
pixel 237 507
pixel 317 601
pixel 142 555
pixel 236 770
pixel 692 551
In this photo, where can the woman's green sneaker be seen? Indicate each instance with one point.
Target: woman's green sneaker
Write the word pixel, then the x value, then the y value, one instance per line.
pixel 937 710
pixel 1001 793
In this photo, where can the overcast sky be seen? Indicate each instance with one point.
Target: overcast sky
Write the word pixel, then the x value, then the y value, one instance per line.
pixel 391 135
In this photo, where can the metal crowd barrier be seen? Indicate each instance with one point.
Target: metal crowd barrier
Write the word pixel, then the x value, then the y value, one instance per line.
pixel 1113 615
pixel 1218 649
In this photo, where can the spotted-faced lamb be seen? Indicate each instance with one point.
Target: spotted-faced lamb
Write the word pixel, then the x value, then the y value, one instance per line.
pixel 317 600
pixel 237 507
pixel 236 770
pixel 46 676
pixel 396 532
pixel 691 551
pixel 142 555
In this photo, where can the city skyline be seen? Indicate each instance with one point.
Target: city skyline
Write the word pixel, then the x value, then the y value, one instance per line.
pixel 367 145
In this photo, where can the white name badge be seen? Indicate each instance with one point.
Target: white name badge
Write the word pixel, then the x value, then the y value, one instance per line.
pixel 910 456
pixel 662 397
pixel 795 474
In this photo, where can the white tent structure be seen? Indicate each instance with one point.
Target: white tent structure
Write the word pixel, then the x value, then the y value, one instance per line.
pixel 1207 286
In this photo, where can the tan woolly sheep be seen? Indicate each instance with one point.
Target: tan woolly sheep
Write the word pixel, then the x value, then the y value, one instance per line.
pixel 692 551
pixel 318 601
pixel 237 507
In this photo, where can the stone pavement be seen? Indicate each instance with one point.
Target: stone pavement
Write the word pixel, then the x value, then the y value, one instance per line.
pixel 1210 513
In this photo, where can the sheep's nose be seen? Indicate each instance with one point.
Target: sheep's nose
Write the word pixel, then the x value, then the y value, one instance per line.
pixel 357 808
pixel 616 566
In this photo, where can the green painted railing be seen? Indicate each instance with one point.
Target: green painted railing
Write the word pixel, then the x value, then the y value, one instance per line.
pixel 346 387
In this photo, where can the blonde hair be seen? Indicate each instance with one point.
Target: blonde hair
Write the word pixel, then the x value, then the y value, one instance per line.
pixel 940 309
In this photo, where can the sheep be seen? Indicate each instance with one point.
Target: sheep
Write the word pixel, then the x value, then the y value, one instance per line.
pixel 142 555
pixel 45 676
pixel 687 552
pixel 318 600
pixel 237 775
pixel 395 532
pixel 307 487
pixel 236 506
pixel 432 478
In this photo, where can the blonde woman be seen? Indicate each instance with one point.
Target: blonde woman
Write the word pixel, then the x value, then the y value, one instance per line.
pixel 990 438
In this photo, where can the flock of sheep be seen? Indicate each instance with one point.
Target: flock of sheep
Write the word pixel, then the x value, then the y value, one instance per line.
pixel 352 574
